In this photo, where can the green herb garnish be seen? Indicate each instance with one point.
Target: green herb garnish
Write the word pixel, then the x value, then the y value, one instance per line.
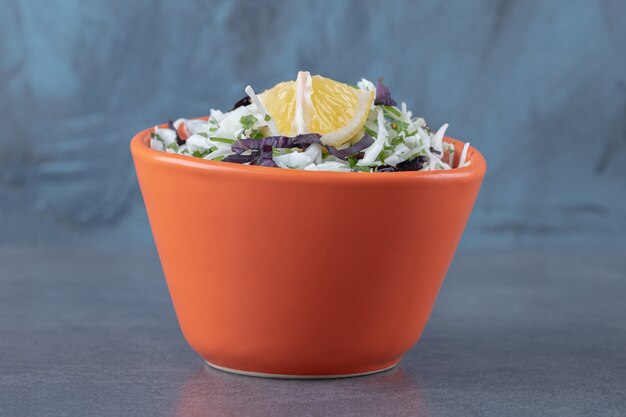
pixel 393 110
pixel 352 162
pixel 370 132
pixel 199 154
pixel 223 140
pixel 256 134
pixel 400 125
pixel 248 121
pixel 397 140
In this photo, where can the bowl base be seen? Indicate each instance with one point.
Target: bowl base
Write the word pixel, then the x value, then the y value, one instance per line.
pixel 289 376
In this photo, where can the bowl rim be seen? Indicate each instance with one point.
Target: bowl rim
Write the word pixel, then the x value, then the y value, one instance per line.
pixel 140 149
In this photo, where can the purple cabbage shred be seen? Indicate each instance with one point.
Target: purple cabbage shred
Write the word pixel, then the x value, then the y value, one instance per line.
pixel 365 142
pixel 241 159
pixel 435 151
pixel 383 96
pixel 262 149
pixel 300 141
pixel 243 102
pixel 414 164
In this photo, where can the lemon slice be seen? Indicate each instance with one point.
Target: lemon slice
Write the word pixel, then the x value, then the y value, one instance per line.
pixel 317 104
pixel 280 102
pixel 339 110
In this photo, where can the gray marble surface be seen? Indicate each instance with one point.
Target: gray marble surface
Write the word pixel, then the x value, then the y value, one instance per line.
pixel 86 333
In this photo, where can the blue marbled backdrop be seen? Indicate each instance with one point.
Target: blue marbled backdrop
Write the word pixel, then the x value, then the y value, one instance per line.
pixel 538 86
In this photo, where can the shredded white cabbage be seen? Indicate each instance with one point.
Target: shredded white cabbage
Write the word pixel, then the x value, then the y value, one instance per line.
pixel 260 108
pixel 374 151
pixel 462 161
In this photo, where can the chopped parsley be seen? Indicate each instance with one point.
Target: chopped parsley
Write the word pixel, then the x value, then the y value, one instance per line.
pixel 223 140
pixel 256 134
pixel 199 154
pixel 248 121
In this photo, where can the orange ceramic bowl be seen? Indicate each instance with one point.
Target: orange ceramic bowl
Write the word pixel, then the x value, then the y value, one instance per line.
pixel 296 273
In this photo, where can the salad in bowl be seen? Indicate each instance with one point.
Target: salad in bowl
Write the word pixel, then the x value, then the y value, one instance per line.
pixel 306 232
pixel 315 123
